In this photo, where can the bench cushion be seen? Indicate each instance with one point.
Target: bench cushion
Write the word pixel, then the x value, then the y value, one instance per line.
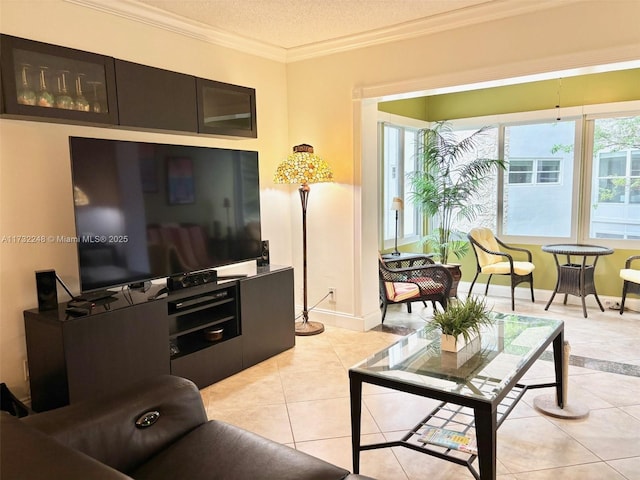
pixel 398 291
pixel 503 268
pixel 630 274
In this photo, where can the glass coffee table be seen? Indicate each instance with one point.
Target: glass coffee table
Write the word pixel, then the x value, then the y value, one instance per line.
pixel 476 390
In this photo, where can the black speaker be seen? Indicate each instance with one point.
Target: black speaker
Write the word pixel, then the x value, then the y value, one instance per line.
pixel 264 254
pixel 47 290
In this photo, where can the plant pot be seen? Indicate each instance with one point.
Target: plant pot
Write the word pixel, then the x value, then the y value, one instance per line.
pixel 449 343
pixel 455 360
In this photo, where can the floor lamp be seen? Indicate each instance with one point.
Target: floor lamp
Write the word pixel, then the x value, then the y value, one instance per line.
pixel 304 167
pixel 397 205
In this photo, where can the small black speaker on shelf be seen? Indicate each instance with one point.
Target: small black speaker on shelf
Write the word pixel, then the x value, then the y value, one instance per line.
pixel 47 290
pixel 264 254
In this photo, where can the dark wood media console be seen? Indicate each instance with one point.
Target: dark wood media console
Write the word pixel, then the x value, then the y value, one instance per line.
pixel 129 337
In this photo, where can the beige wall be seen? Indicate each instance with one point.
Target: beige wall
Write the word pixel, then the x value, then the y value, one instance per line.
pixel 327 95
pixel 327 102
pixel 35 177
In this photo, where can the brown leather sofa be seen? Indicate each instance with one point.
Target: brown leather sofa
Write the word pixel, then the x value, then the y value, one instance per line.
pixel 100 439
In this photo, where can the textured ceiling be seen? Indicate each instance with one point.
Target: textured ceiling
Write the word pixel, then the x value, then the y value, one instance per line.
pixel 293 30
pixel 296 23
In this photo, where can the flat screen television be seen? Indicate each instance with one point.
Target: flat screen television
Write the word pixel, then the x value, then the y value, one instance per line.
pixel 147 210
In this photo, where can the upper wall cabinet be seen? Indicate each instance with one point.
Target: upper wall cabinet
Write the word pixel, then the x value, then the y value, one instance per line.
pixel 225 109
pixel 154 98
pixel 40 80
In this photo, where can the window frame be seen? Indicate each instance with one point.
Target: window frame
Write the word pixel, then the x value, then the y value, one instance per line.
pixel 403 123
pixel 529 118
pixel 582 171
pixel 592 113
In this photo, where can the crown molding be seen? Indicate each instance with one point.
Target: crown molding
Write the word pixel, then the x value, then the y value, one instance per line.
pixel 490 10
pixel 148 15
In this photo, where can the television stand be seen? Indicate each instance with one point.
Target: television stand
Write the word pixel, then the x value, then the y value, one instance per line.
pixel 95 296
pixel 232 277
pixel 162 293
pixel 121 340
pixel 140 286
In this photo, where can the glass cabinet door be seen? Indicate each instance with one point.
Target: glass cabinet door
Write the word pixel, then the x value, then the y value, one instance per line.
pixel 226 109
pixel 42 80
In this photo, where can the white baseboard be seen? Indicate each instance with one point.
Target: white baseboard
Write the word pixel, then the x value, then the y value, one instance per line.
pixel 343 320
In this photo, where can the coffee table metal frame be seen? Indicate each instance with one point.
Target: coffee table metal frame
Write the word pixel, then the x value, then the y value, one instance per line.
pixel 576 278
pixel 457 411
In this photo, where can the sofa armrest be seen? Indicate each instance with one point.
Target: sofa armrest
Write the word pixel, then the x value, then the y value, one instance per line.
pixel 220 450
pixel 105 428
pixel 26 453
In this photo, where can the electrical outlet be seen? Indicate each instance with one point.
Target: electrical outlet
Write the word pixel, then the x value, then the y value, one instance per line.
pixel 332 294
pixel 25 370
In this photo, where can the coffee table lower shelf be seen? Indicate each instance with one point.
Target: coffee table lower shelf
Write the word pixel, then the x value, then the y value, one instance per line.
pixel 454 417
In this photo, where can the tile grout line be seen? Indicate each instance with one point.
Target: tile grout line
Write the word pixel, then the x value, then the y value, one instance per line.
pixel 607 366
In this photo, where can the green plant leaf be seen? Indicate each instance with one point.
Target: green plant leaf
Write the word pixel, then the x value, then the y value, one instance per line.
pixel 463 318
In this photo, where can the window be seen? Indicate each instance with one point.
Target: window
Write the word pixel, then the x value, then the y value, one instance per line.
pixel 548 171
pixel 530 171
pixel 487 198
pixel 615 195
pixel 538 196
pixel 612 177
pixel 399 157
pixel 520 171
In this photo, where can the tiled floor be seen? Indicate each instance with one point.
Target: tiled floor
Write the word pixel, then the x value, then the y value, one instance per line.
pixel 301 398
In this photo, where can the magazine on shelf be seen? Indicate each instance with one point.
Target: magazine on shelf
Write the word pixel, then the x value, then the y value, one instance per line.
pixel 450 439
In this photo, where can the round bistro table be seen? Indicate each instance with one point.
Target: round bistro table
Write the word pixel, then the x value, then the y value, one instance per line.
pixel 576 278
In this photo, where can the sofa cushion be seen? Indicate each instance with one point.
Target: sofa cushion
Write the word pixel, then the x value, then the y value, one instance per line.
pixel 104 428
pixel 222 451
pixel 485 237
pixel 504 268
pixel 27 454
pixel 399 291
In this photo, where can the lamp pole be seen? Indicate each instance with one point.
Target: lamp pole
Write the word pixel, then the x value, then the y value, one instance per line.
pixel 397 204
pixel 395 251
pixel 305 327
pixel 304 197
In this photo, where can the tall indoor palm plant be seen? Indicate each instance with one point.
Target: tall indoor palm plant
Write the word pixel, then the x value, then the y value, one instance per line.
pixel 446 182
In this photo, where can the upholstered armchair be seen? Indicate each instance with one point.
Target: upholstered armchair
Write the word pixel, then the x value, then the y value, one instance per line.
pixel 418 280
pixel 491 260
pixel 631 277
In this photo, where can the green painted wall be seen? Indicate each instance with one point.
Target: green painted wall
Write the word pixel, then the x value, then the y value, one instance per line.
pixel 412 108
pixel 619 86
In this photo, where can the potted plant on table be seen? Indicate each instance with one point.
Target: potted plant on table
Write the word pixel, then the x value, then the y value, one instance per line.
pixel 446 184
pixel 461 322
